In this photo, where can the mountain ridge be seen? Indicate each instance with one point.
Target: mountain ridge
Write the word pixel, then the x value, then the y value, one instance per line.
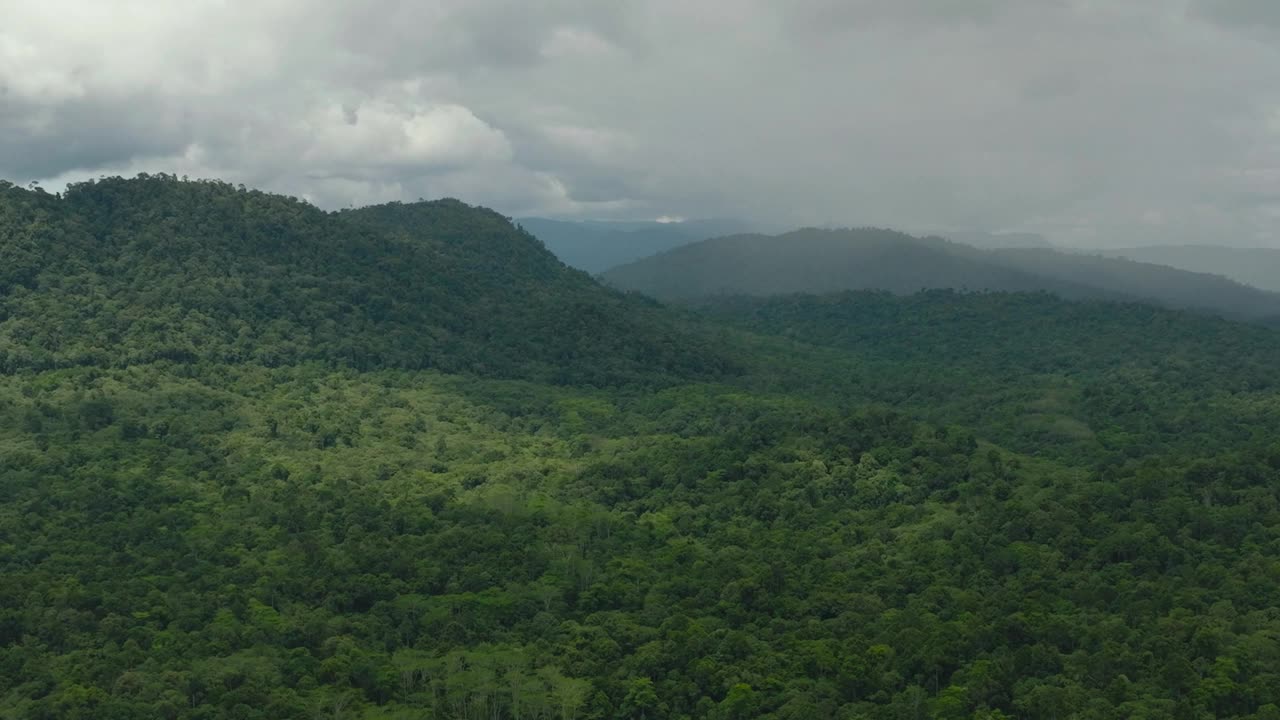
pixel 1256 266
pixel 820 261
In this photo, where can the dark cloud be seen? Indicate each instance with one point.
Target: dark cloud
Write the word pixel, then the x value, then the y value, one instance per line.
pixel 39 141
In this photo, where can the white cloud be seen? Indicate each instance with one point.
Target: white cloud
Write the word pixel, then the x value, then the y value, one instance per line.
pixel 377 137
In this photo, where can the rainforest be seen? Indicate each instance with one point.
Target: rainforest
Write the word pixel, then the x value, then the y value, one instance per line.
pixel 260 460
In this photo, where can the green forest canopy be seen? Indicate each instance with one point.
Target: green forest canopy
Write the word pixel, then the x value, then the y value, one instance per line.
pixel 117 272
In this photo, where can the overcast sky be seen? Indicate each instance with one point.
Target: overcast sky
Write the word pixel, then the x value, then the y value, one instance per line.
pixel 1092 121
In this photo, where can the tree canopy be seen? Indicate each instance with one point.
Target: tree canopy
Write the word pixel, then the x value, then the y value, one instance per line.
pixel 943 505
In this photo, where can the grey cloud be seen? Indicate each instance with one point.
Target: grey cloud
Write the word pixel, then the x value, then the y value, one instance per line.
pixel 39 141
pixel 1240 13
pixel 467 36
pixel 1087 120
pixel 1051 85
pixel 829 15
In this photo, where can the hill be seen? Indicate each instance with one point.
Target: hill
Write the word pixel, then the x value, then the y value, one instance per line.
pixel 117 272
pixel 596 246
pixel 1259 267
pixel 820 261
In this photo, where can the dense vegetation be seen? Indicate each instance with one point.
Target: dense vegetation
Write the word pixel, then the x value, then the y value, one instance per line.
pixel 1068 380
pixel 823 261
pixel 120 272
pixel 938 506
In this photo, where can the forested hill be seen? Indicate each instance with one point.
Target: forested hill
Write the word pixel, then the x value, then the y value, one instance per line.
pixel 122 271
pixel 820 261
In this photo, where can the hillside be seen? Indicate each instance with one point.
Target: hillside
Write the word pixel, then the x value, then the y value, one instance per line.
pixel 1151 282
pixel 117 272
pixel 820 261
pixel 596 246
pixel 264 462
pixel 1259 267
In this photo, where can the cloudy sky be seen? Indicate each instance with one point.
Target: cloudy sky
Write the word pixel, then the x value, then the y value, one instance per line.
pixel 1093 121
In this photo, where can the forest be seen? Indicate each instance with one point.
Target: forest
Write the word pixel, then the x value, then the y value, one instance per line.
pixel 260 461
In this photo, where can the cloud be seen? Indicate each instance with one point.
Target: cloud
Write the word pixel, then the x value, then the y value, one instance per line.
pixel 1083 119
pixel 1240 13
pixel 829 15
pixel 379 137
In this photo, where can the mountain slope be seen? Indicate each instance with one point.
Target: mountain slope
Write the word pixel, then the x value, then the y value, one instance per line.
pixel 1157 283
pixel 1259 267
pixel 820 261
pixel 126 271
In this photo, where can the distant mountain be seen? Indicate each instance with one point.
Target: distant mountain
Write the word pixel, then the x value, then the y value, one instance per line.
pixel 121 271
pixel 595 245
pixel 1259 267
pixel 820 261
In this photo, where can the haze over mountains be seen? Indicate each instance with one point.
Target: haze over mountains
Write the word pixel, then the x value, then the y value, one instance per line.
pixel 1259 267
pixel 819 261
pixel 994 240
pixel 596 246
pixel 599 245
